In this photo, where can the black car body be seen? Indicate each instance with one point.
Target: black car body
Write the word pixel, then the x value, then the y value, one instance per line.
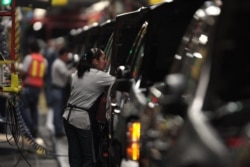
pixel 126 28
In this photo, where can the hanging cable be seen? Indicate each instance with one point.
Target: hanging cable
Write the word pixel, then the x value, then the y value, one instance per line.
pixel 18 128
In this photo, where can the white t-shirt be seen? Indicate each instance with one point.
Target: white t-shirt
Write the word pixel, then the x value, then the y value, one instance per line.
pixel 60 73
pixel 84 92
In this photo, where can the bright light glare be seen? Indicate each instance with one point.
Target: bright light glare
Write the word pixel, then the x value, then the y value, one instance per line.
pixel 151 105
pixel 189 54
pixel 100 5
pixel 203 39
pixel 122 67
pixel 39 13
pixel 117 111
pixel 76 57
pixel 198 55
pixel 200 13
pixel 178 57
pixel 168 0
pixel 37 26
pixel 213 10
pixel 85 28
pixel 95 24
pixel 73 32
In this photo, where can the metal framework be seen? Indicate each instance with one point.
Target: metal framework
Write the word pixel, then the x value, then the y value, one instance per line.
pixel 14 85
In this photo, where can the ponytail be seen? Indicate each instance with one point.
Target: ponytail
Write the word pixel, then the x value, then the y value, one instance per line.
pixel 85 62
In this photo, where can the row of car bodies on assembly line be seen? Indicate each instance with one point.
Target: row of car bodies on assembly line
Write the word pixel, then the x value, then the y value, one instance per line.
pixel 94 35
pixel 116 38
pixel 181 94
pixel 198 115
pixel 174 131
pixel 147 61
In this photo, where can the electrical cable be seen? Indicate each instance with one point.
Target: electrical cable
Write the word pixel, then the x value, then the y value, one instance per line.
pixel 16 131
pixel 24 129
pixel 17 127
pixel 13 127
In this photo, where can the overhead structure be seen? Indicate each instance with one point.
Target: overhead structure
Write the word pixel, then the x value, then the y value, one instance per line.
pixel 53 3
pixel 60 20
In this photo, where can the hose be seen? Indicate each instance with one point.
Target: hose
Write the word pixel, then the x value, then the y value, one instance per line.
pixel 18 127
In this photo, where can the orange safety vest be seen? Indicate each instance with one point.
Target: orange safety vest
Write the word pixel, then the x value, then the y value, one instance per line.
pixel 36 71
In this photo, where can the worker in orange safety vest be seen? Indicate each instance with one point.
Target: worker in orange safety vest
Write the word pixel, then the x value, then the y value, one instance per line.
pixel 33 73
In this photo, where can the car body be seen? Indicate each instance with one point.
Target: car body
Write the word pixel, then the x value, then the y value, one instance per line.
pixel 127 26
pixel 95 35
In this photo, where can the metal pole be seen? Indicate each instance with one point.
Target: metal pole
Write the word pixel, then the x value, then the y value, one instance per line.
pixel 13 34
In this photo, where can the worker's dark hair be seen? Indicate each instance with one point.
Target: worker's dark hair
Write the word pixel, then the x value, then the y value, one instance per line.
pixel 63 50
pixel 34 45
pixel 85 62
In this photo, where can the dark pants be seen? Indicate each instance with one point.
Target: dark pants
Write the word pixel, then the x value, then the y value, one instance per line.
pixel 30 108
pixel 80 146
pixel 58 106
pixel 59 97
pixel 47 91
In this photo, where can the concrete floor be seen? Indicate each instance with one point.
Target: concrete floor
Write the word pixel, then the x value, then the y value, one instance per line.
pixel 28 156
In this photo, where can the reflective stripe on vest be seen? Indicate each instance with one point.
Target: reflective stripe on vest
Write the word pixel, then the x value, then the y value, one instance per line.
pixel 36 71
